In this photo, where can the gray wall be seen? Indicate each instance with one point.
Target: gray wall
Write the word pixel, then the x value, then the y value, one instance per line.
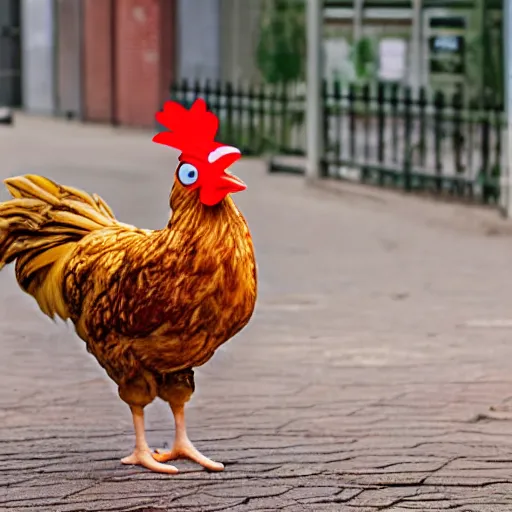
pixel 240 30
pixel 69 96
pixel 38 56
pixel 198 53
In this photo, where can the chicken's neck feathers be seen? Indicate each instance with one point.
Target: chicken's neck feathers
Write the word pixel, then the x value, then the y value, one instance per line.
pixel 191 218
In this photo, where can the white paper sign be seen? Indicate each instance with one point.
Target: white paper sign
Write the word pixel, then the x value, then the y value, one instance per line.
pixel 392 58
pixel 337 62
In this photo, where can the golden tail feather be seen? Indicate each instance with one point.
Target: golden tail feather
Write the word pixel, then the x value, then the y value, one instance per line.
pixel 39 228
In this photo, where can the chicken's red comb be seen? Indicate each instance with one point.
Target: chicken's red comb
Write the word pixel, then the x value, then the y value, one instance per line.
pixel 190 131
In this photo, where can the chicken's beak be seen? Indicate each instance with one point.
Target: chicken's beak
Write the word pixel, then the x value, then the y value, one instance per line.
pixel 220 186
pixel 231 183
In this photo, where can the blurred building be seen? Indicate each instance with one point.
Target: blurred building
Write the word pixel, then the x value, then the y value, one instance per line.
pixel 112 61
pixel 439 44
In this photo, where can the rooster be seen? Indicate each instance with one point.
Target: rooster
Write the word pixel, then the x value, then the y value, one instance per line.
pixel 150 305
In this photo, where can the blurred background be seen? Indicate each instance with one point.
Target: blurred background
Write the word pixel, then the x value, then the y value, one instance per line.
pixel 412 94
pixel 382 329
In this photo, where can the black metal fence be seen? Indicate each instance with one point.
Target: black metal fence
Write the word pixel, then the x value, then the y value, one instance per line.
pixel 258 119
pixel 433 143
pixel 383 135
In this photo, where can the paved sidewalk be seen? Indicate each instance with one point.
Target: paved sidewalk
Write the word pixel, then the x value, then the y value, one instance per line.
pixel 357 387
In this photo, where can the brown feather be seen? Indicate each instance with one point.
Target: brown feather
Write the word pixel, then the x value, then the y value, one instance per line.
pixel 147 303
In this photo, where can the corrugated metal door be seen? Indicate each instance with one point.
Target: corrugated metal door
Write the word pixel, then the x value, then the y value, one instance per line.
pixel 38 55
pixel 69 63
pixel 10 54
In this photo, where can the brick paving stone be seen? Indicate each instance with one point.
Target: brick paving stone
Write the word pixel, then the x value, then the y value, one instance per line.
pixel 361 384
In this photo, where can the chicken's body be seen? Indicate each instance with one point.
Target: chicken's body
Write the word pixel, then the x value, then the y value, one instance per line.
pixel 156 302
pixel 150 305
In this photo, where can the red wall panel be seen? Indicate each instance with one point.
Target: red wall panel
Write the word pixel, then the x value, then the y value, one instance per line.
pixel 168 47
pixel 138 61
pixel 128 59
pixel 98 62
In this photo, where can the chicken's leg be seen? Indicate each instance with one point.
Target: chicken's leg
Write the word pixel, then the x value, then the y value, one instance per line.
pixel 142 455
pixel 183 447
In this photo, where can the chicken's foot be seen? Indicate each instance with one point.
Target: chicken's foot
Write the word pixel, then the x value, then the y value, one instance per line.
pixel 142 455
pixel 183 447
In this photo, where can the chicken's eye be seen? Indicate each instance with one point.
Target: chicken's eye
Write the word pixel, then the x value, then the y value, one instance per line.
pixel 187 174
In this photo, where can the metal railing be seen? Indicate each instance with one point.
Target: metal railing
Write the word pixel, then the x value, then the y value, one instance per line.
pixel 383 135
pixel 419 142
pixel 259 119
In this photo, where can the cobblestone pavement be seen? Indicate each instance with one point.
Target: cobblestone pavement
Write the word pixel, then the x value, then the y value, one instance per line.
pixel 361 384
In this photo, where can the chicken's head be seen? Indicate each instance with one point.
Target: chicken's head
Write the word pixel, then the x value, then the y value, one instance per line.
pixel 204 162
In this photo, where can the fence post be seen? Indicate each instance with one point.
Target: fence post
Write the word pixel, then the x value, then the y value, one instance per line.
pixel 184 89
pixel 366 97
pixel 438 137
pixel 337 113
pixel 207 92
pixel 394 113
pixel 457 135
pixel 272 131
pixel 216 101
pixel 229 92
pixel 486 144
pixel 250 119
pixel 408 147
pixel 285 140
pixel 497 168
pixel 366 111
pixel 326 118
pixel 381 123
pixel 506 179
pixel 261 123
pixel 314 75
pixel 422 107
pixel 197 89
pixel 352 120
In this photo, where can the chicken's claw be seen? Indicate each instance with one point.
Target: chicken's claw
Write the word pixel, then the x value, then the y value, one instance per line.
pixel 145 458
pixel 186 450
